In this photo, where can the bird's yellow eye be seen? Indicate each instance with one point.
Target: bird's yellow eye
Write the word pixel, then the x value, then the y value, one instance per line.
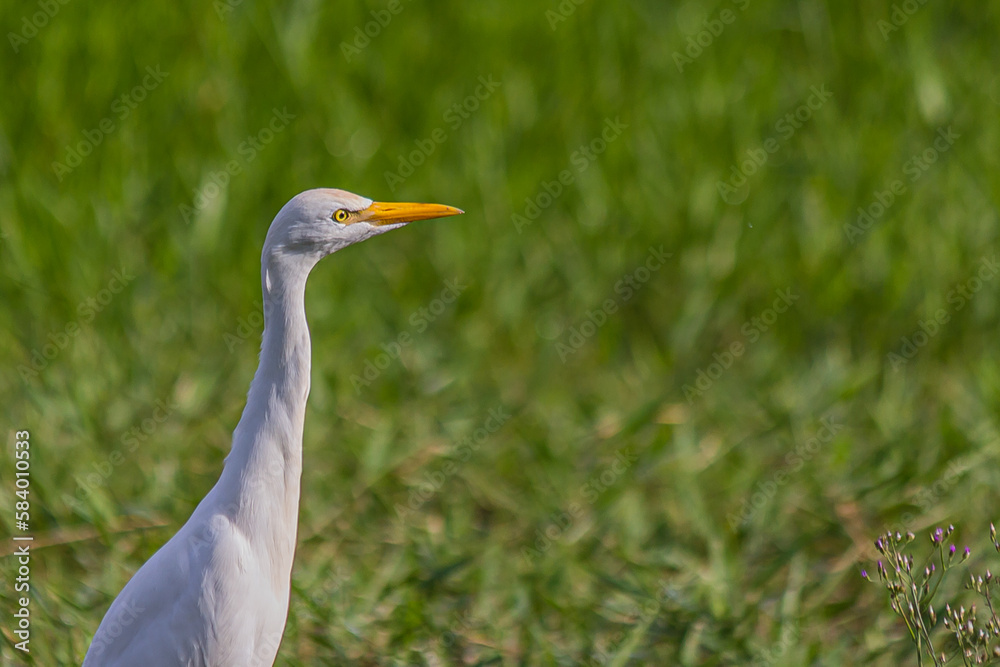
pixel 341 215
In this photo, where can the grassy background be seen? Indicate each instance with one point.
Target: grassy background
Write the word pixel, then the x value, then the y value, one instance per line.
pixel 523 555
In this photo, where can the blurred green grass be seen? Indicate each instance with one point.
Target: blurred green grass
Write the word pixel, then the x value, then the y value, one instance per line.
pixel 488 569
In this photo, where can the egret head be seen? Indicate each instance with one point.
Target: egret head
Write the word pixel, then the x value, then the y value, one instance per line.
pixel 318 222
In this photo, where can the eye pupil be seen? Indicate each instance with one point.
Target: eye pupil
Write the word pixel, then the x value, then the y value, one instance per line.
pixel 340 215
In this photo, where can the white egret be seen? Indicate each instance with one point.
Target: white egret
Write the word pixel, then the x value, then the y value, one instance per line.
pixel 216 594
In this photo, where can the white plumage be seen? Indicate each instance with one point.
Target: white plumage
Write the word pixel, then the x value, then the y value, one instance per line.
pixel 216 594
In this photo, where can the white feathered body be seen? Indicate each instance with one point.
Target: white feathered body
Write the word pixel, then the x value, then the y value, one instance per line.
pixel 216 594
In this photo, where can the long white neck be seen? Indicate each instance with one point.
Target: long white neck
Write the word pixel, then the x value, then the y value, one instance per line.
pixel 261 480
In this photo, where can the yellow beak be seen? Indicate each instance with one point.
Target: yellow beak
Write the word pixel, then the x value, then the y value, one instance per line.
pixel 383 213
